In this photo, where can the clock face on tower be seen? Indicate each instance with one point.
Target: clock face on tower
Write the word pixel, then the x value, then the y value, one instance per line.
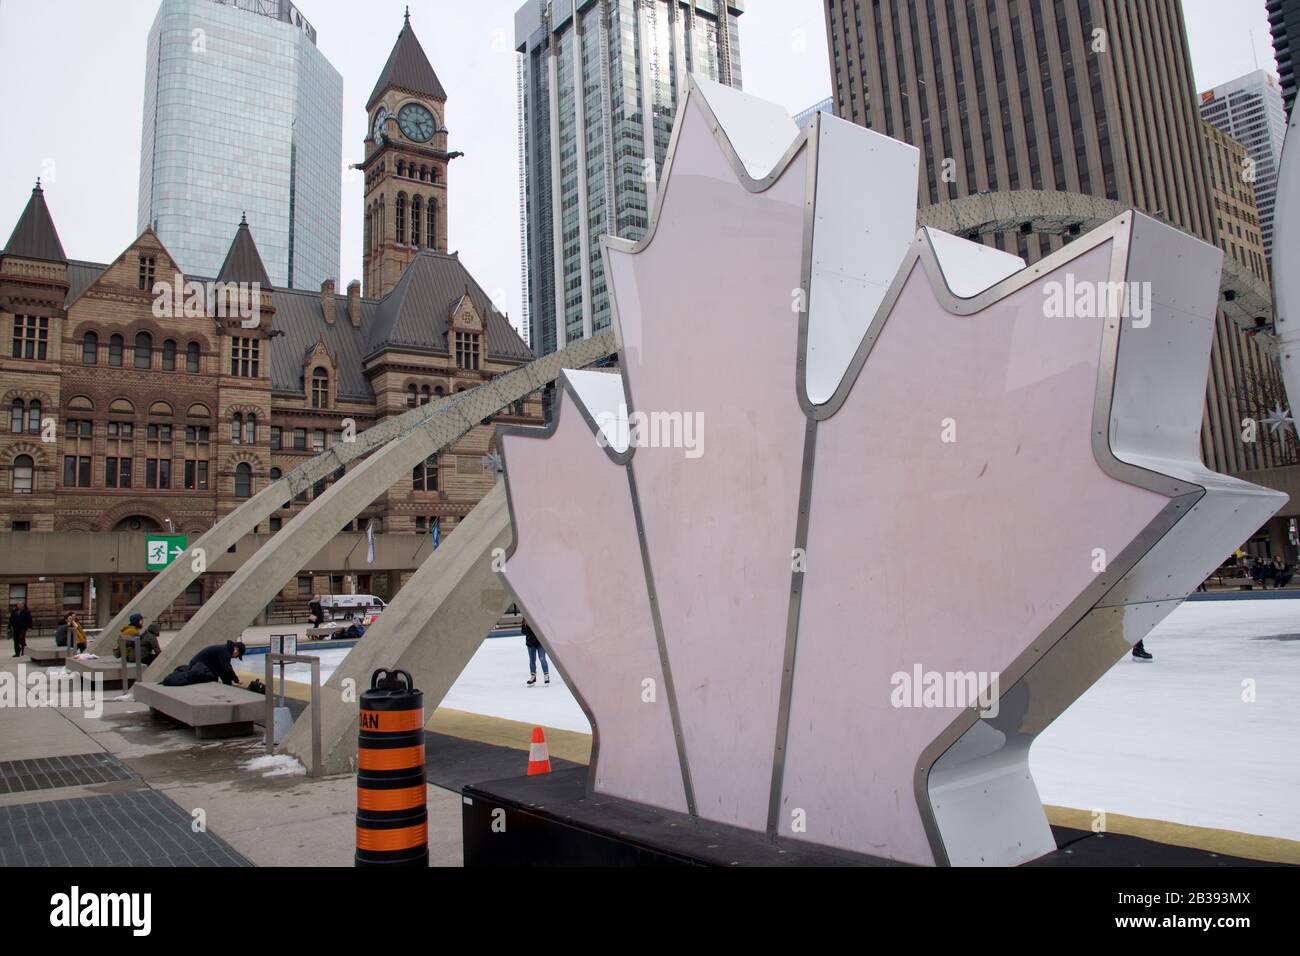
pixel 377 134
pixel 416 122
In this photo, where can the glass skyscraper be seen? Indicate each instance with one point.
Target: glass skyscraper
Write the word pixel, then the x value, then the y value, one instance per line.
pixel 242 115
pixel 605 74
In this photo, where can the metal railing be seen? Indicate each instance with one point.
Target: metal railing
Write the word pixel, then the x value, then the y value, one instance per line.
pixel 139 666
pixel 273 658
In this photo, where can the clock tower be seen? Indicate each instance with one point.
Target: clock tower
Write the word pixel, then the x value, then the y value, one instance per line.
pixel 405 166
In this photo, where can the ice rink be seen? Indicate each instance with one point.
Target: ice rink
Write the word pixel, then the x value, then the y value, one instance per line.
pixel 1175 739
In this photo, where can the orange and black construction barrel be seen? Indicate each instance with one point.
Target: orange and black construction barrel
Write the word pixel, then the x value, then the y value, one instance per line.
pixel 392 816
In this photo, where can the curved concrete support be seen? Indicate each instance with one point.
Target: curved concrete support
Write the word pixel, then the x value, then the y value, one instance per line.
pixel 172 581
pixel 225 615
pixel 432 629
pixel 1242 296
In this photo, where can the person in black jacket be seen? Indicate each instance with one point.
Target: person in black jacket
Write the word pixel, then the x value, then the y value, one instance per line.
pixel 217 659
pixel 20 622
pixel 535 650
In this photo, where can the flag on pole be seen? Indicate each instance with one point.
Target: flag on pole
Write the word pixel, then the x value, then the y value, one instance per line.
pixel 433 530
pixel 370 542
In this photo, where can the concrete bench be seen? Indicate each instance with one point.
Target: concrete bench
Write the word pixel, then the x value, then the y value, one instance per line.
pixel 43 650
pixel 213 710
pixel 109 669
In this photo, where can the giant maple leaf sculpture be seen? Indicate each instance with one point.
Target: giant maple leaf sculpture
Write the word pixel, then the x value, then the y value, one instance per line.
pixel 908 465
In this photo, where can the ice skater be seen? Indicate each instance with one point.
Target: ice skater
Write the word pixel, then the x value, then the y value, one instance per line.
pixel 1140 653
pixel 535 650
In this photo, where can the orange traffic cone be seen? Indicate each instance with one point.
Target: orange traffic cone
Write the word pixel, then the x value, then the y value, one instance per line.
pixel 539 759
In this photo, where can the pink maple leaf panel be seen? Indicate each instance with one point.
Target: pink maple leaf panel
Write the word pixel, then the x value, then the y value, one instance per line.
pixel 953 556
pixel 720 527
pixel 572 510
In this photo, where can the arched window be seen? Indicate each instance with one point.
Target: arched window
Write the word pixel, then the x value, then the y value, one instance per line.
pixel 169 355
pixel 115 351
pixel 417 206
pixel 410 397
pixel 400 207
pixel 162 409
pixel 143 350
pixel 236 428
pixel 424 394
pixel 432 224
pixel 192 357
pixel 243 480
pixel 401 167
pixel 24 472
pixel 250 429
pixel 368 242
pixel 424 173
pixel 18 410
pixel 34 418
pixel 438 392
pixel 90 348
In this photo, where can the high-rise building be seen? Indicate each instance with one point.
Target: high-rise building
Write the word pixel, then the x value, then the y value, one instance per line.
pixel 1284 24
pixel 243 116
pixel 606 74
pixel 1091 97
pixel 1235 212
pixel 1249 109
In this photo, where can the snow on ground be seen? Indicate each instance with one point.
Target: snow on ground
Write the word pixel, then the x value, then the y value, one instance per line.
pixel 1169 740
pixel 275 765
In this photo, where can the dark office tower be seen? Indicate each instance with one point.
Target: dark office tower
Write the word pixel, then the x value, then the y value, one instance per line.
pixel 1284 22
pixel 1084 96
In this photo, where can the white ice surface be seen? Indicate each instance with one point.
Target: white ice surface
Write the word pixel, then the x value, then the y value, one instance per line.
pixel 1170 739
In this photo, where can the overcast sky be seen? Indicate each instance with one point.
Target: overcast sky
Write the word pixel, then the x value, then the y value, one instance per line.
pixel 72 82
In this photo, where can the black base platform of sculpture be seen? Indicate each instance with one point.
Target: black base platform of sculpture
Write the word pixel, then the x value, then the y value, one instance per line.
pixel 551 820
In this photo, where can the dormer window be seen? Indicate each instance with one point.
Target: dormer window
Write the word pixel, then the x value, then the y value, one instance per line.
pixel 466 350
pixel 320 388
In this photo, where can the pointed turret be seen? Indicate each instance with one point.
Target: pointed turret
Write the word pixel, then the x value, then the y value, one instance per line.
pixel 243 262
pixel 35 236
pixel 408 69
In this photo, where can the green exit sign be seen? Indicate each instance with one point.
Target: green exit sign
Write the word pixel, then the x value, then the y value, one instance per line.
pixel 162 549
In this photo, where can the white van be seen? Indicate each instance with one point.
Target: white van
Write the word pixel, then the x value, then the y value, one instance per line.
pixel 348 606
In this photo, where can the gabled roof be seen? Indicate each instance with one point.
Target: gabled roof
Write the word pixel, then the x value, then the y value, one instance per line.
pixel 414 315
pixel 408 69
pixel 35 236
pixel 243 262
pixel 301 323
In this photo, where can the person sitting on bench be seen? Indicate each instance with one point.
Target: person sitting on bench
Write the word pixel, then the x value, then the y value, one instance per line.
pixel 149 646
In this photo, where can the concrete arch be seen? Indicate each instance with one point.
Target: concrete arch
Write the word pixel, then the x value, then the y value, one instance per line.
pixel 443 422
pixel 1244 298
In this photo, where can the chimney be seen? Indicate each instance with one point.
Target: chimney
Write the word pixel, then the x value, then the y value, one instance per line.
pixel 327 300
pixel 354 303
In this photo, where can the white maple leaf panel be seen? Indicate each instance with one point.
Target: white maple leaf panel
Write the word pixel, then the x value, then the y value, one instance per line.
pixel 954 555
pixel 576 569
pixel 1067 512
pixel 719 527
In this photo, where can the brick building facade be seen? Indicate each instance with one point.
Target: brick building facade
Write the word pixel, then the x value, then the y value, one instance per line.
pixel 142 400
